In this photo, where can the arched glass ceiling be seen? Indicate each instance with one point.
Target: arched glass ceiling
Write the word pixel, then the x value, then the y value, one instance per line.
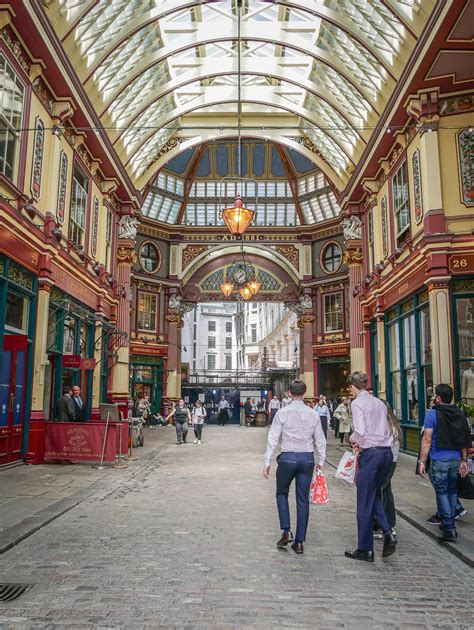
pixel 157 71
pixel 202 172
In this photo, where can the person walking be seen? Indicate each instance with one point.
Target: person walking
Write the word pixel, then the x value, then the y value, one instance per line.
pixel 388 500
pixel 223 409
pixel 248 412
pixel 372 441
pixel 298 427
pixel 287 400
pixel 322 409
pixel 199 413
pixel 343 417
pixel 273 407
pixel 181 416
pixel 446 438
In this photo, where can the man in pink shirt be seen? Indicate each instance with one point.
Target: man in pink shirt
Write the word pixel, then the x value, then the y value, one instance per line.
pixel 371 440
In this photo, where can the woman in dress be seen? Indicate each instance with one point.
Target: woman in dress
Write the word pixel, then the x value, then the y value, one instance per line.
pixel 343 414
pixel 199 413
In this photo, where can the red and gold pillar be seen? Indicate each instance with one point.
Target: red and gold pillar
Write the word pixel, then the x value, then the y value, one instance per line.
pixel 121 371
pixel 353 259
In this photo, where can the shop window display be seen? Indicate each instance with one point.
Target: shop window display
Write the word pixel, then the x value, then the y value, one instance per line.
pixel 464 333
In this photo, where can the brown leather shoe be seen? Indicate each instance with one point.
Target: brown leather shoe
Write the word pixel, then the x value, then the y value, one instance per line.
pixel 286 538
pixel 297 547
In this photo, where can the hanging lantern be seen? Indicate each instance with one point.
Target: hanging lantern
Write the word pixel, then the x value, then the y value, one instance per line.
pixel 227 287
pixel 254 286
pixel 245 293
pixel 237 218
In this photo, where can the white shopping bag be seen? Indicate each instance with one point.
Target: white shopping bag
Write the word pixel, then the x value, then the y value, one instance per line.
pixel 347 468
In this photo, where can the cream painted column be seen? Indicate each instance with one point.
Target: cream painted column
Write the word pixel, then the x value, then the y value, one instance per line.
pixel 441 335
pixel 173 381
pixel 41 358
pixel 305 322
pixel 353 258
pixel 430 171
pixel 382 374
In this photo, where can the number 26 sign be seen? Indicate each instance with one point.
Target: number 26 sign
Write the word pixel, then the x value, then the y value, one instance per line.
pixel 461 263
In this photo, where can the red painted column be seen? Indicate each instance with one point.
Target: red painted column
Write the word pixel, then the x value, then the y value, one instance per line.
pixel 120 374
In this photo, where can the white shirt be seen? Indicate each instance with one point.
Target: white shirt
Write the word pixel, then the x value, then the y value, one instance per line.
pixel 274 404
pixel 299 427
pixel 286 401
pixel 199 413
pixel 223 404
pixel 369 419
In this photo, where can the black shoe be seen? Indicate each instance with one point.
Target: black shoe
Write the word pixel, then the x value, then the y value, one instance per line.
pixel 448 537
pixel 389 545
pixel 287 537
pixel 297 547
pixel 359 554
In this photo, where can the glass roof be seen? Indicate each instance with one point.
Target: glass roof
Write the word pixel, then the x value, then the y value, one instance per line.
pixel 213 183
pixel 159 70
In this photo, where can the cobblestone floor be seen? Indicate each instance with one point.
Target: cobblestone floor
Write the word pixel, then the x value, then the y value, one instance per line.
pixel 187 540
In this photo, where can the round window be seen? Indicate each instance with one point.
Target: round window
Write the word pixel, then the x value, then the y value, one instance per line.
pixel 331 258
pixel 149 258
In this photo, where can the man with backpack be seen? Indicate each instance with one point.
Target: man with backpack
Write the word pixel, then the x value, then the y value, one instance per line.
pixel 446 438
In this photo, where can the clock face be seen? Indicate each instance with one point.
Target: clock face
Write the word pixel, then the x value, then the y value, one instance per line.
pixel 240 275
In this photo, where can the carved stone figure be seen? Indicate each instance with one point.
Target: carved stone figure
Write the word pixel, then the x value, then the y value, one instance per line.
pixel 128 227
pixel 175 301
pixel 306 302
pixel 352 228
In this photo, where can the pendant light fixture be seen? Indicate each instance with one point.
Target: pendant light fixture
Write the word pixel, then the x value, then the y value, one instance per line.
pixel 238 218
pixel 227 287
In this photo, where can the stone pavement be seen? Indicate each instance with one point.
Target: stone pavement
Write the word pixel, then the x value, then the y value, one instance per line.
pixel 32 496
pixel 415 502
pixel 186 539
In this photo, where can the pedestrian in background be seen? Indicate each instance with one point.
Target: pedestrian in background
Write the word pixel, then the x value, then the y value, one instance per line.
pixel 287 400
pixel 65 411
pixel 198 415
pixel 79 406
pixel 181 416
pixel 299 428
pixel 322 409
pixel 273 407
pixel 343 417
pixel 372 441
pixel 388 500
pixel 223 409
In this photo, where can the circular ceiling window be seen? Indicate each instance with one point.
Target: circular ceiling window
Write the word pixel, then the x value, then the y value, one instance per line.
pixel 149 258
pixel 331 257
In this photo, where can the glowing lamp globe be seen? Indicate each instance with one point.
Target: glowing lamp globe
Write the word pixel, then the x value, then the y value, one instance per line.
pixel 237 218
pixel 245 293
pixel 227 288
pixel 254 286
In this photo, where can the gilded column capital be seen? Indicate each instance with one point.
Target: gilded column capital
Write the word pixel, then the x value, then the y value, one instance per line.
pixel 175 318
pixel 305 318
pixel 126 252
pixel 353 255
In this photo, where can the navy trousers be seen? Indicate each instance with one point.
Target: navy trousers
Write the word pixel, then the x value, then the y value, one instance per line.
pixel 374 468
pixel 299 466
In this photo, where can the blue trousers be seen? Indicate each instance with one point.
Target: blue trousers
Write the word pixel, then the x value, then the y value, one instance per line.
pixel 374 468
pixel 299 466
pixel 444 477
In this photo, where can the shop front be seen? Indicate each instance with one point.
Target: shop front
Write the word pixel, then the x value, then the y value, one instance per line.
pixel 71 341
pixel 18 291
pixel 332 367
pixel 463 337
pixel 147 374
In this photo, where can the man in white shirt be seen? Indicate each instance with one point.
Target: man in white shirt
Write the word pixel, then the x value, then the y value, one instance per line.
pixel 273 407
pixel 287 400
pixel 299 427
pixel 223 408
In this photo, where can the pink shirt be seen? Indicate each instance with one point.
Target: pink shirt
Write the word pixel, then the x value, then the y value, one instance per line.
pixel 369 416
